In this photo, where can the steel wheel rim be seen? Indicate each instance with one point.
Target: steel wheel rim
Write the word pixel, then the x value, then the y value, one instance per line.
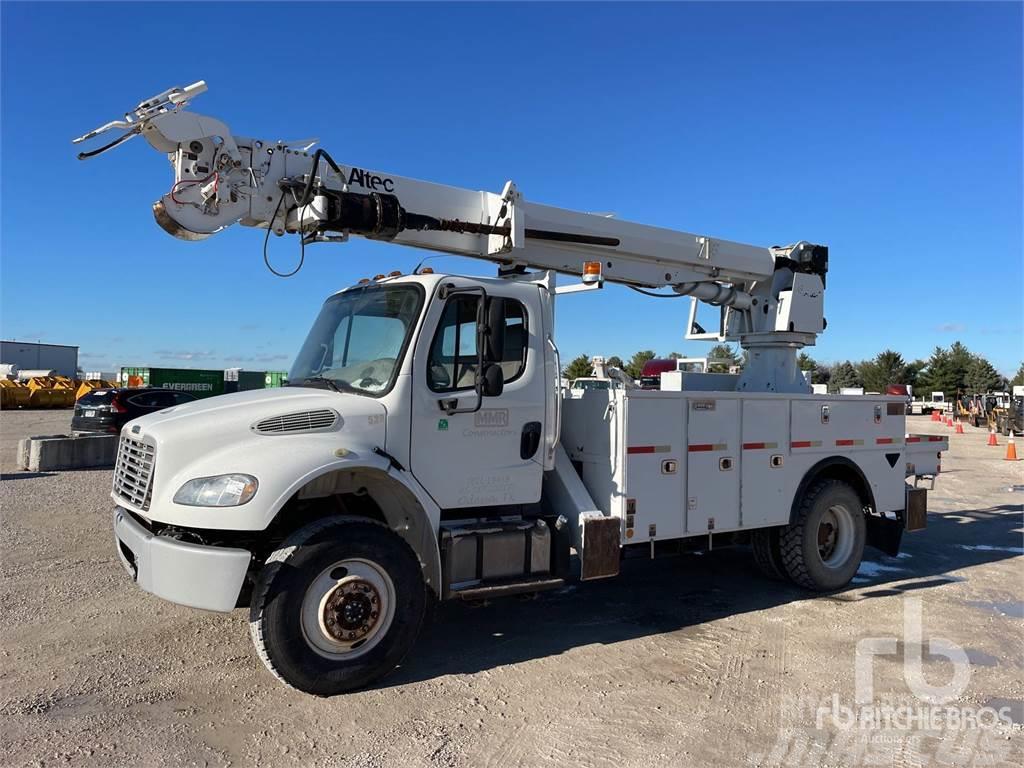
pixel 835 536
pixel 348 609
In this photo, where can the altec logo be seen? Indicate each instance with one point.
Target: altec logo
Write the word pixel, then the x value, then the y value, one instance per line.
pixel 367 180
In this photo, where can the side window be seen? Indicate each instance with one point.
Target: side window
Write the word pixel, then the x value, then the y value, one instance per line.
pixel 452 363
pixel 182 397
pixel 153 399
pixel 453 353
pixel 513 360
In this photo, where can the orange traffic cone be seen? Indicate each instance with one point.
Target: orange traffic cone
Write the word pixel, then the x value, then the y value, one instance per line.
pixel 992 437
pixel 1011 449
pixel 959 427
pixel 949 421
pixel 935 416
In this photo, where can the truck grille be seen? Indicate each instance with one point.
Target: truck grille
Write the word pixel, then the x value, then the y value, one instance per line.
pixel 133 472
pixel 303 421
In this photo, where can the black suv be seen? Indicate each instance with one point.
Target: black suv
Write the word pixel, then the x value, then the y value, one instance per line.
pixel 105 411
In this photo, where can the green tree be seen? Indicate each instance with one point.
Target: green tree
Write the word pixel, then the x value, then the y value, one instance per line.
pixel 981 377
pixel 914 371
pixel 615 362
pixel 947 370
pixel 674 355
pixel 887 368
pixel 805 362
pixel 722 357
pixel 636 363
pixel 1018 378
pixel 844 374
pixel 820 373
pixel 577 367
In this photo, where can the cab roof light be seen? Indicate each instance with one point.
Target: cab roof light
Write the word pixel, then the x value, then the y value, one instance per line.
pixel 378 277
pixel 592 272
pixel 395 273
pixel 427 271
pixel 364 281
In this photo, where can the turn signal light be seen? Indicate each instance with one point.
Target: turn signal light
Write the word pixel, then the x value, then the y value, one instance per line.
pixel 591 271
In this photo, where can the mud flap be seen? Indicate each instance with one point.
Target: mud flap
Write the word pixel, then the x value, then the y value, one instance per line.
pixel 601 546
pixel 916 515
pixel 884 533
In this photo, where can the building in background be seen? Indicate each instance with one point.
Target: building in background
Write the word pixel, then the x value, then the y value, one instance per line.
pixel 33 356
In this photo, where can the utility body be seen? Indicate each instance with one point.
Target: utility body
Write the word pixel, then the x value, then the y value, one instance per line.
pixel 426 448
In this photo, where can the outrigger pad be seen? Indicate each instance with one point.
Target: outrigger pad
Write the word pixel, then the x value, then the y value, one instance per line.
pixel 601 546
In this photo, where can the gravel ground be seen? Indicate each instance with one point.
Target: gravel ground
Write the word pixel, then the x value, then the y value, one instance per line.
pixel 693 660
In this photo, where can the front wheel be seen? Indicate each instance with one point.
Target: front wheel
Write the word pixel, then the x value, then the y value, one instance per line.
pixel 337 606
pixel 823 547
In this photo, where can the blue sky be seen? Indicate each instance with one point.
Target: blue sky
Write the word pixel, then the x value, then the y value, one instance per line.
pixel 890 132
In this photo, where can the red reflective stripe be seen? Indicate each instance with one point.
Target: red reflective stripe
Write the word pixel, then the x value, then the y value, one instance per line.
pixel 884 440
pixel 844 442
pixel 640 449
pixel 753 446
pixel 800 444
pixel 701 447
pixel 913 439
pixel 936 438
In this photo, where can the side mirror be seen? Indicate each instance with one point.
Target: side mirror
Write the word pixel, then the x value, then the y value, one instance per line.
pixel 492 383
pixel 494 335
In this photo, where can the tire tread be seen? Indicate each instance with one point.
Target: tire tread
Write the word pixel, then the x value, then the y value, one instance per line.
pixel 263 583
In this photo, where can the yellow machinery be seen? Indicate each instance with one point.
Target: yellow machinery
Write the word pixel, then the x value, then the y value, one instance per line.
pixel 89 385
pixel 13 394
pixel 51 392
pixel 47 391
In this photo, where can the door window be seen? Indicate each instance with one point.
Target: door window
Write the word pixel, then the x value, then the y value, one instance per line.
pixel 453 353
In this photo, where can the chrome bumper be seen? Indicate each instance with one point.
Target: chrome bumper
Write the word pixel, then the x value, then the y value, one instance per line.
pixel 190 574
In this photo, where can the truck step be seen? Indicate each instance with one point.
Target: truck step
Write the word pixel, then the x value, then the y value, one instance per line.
pixel 485 591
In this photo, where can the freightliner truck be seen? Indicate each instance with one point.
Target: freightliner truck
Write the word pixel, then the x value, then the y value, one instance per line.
pixel 425 449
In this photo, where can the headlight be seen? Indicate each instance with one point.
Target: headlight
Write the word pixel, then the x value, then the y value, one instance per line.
pixel 219 491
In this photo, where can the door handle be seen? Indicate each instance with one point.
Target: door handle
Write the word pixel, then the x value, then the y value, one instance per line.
pixel 529 440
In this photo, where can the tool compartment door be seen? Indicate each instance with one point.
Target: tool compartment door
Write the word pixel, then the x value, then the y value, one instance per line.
pixel 712 465
pixel 763 470
pixel 654 467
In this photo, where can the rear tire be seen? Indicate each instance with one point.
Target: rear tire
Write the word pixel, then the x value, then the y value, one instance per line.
pixel 338 605
pixel 822 549
pixel 764 543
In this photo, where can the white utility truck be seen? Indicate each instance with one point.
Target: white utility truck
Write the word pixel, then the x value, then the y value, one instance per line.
pixel 425 450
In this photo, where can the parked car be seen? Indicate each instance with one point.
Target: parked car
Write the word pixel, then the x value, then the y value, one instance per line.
pixel 105 411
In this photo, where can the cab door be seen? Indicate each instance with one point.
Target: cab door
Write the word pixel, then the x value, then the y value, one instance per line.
pixel 492 456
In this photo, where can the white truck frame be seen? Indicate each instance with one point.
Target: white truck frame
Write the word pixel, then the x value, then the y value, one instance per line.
pixel 426 449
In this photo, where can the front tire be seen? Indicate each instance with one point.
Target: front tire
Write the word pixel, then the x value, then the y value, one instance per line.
pixel 822 549
pixel 338 605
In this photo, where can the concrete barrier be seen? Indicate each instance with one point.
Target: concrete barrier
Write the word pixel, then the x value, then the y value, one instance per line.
pixel 50 452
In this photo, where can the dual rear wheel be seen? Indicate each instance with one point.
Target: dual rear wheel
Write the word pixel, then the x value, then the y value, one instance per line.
pixel 823 546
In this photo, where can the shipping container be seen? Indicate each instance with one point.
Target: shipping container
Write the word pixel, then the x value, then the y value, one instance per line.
pixel 198 382
pixel 275 378
pixel 251 380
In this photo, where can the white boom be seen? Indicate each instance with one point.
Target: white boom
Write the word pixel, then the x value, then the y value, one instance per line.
pixel 771 299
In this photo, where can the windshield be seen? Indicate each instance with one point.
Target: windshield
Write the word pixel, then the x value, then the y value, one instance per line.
pixel 357 341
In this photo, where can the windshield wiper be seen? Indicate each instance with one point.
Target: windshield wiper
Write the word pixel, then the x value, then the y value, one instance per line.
pixel 336 384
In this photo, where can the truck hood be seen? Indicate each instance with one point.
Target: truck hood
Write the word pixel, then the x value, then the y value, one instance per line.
pixel 275 435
